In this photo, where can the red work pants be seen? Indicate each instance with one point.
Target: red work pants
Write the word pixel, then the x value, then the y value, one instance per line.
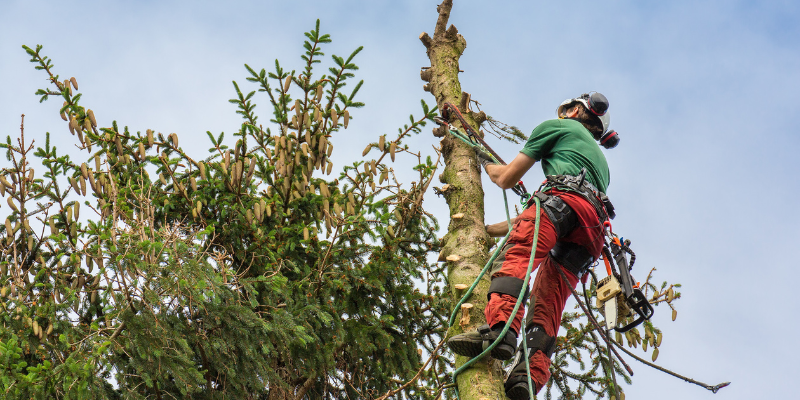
pixel 550 292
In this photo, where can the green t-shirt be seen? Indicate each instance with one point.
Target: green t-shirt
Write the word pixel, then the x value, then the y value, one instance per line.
pixel 564 146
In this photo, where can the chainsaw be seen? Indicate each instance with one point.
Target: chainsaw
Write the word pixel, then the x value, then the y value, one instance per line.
pixel 618 298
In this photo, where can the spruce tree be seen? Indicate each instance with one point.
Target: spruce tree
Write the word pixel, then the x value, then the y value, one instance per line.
pixel 254 271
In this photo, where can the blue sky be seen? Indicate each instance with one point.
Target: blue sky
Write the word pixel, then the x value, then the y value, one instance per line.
pixel 703 94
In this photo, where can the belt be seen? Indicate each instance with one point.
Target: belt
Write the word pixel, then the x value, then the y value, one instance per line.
pixel 584 188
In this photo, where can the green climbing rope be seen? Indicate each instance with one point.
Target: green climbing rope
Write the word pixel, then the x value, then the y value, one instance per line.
pixel 520 298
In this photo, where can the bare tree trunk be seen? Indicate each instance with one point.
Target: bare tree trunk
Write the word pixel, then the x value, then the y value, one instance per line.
pixel 466 244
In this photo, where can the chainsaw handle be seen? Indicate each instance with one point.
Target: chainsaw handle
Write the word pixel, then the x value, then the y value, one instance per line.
pixel 608 265
pixel 638 303
pixel 607 258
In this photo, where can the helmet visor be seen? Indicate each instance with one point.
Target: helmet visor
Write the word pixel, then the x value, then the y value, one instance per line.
pixel 605 119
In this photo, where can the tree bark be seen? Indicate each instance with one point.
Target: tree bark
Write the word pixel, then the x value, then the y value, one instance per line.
pixel 466 237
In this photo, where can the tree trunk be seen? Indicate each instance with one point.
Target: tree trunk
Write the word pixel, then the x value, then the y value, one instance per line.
pixel 466 237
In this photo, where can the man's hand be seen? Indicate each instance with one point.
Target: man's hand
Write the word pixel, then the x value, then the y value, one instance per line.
pixel 484 158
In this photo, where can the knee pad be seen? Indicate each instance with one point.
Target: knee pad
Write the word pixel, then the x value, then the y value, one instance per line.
pixel 507 285
pixel 536 339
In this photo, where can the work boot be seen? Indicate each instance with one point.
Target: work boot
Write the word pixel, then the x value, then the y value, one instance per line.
pixel 540 349
pixel 472 344
pixel 516 384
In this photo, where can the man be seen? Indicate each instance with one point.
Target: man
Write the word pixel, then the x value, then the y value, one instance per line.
pixel 573 209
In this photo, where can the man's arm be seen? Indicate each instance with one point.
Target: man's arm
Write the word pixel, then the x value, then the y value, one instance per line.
pixel 499 229
pixel 506 176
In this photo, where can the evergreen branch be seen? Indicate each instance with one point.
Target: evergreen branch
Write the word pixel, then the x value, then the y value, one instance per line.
pixel 434 355
pixel 714 388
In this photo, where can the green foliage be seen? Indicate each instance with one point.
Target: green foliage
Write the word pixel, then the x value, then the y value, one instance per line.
pixel 248 272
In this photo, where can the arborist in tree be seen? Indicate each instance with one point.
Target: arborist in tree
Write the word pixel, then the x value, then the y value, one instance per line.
pixel 573 209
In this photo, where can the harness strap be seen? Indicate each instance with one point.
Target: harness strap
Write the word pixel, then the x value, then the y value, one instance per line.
pixel 561 215
pixel 578 184
pixel 537 339
pixel 507 285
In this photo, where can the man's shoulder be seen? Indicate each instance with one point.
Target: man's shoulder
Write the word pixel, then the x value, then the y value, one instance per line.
pixel 551 123
pixel 567 125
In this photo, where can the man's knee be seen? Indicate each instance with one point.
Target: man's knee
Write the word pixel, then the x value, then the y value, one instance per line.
pixel 508 285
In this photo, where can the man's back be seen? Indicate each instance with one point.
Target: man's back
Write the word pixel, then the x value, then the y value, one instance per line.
pixel 564 147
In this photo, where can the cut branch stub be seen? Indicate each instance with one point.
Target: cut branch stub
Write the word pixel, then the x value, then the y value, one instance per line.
pixel 425 74
pixel 465 98
pixel 452 33
pixel 479 117
pixel 465 308
pixel 426 40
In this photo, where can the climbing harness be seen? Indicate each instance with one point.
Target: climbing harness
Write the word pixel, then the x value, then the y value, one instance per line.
pixel 579 185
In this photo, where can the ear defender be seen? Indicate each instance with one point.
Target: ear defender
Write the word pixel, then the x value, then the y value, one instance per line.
pixel 610 139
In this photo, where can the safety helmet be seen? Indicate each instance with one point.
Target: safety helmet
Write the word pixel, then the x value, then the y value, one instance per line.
pixel 595 102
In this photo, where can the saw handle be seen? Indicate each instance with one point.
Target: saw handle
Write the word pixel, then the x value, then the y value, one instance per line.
pixel 608 265
pixel 638 303
pixel 634 297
